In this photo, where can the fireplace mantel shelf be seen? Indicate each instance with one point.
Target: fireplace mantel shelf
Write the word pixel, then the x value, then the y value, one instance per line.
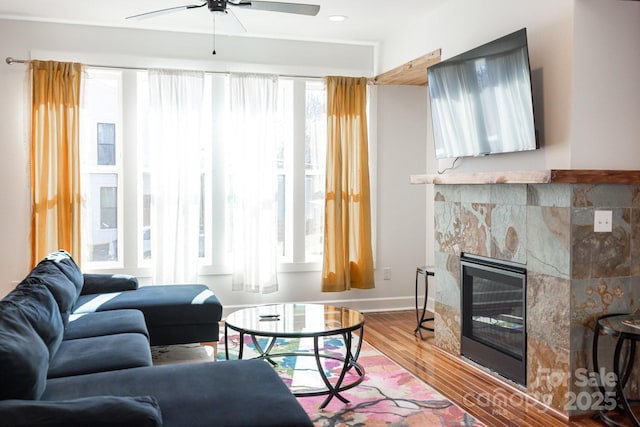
pixel 550 176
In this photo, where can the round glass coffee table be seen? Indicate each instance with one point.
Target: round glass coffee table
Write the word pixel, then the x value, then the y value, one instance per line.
pixel 314 322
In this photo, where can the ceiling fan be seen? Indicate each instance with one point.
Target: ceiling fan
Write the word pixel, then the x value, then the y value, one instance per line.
pixel 221 6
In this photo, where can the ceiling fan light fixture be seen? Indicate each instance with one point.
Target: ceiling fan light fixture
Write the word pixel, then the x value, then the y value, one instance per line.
pixel 338 18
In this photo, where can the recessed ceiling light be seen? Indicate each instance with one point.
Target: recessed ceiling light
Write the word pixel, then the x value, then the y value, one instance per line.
pixel 337 18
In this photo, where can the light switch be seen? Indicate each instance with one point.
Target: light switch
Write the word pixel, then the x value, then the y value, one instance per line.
pixel 602 221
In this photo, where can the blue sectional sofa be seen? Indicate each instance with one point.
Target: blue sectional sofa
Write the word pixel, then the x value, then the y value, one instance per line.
pixel 64 365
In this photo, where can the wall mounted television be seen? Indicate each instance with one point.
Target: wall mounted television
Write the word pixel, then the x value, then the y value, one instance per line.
pixel 481 100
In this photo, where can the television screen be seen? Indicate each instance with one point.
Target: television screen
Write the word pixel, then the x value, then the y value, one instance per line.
pixel 481 100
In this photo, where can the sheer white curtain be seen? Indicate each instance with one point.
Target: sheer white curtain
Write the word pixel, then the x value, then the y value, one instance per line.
pixel 175 106
pixel 251 151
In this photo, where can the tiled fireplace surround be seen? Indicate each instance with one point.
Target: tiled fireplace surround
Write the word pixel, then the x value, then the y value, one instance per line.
pixel 573 274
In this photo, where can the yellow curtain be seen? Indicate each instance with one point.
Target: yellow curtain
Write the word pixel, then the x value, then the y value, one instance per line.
pixel 55 160
pixel 348 255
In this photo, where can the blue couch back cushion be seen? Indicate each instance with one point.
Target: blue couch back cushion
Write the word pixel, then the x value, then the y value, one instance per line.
pixel 61 287
pixel 24 359
pixel 41 310
pixel 63 260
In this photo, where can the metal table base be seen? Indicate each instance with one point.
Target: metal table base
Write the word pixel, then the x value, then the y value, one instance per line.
pixel 420 317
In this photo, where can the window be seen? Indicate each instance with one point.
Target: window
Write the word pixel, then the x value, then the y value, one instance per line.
pixel 117 180
pixel 106 143
pixel 301 163
pixel 315 139
pixel 108 208
pixel 101 166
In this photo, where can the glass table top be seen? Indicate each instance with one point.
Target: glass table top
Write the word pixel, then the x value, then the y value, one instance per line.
pixel 295 320
pixel 628 324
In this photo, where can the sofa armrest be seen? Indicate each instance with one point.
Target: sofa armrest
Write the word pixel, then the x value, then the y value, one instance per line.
pixel 103 283
pixel 94 411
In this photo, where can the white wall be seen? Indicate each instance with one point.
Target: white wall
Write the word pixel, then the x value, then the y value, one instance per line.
pixel 15 205
pixel 402 111
pixel 606 87
pixel 139 48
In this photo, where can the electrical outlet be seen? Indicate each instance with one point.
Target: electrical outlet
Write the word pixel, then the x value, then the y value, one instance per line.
pixel 386 273
pixel 602 221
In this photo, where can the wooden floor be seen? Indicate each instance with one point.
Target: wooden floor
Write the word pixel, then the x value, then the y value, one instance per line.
pixel 489 400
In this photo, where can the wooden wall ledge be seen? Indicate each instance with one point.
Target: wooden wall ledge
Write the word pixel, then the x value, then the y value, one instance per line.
pixel 412 73
pixel 578 176
pixel 552 176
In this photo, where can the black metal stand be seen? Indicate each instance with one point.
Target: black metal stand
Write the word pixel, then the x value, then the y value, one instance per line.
pixel 613 324
pixel 420 317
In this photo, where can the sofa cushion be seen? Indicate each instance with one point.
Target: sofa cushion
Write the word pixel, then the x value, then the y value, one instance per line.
pixel 63 260
pixel 100 354
pixel 41 309
pixel 85 325
pixel 235 393
pixel 100 283
pixel 24 358
pixel 174 314
pixel 94 411
pixel 62 289
pixel 161 304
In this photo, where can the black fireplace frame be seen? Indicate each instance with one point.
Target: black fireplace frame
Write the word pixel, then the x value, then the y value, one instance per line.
pixel 505 363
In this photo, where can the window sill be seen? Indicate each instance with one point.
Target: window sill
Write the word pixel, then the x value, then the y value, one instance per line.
pixel 144 272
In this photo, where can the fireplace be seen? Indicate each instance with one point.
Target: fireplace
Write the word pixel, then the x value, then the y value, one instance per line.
pixel 494 315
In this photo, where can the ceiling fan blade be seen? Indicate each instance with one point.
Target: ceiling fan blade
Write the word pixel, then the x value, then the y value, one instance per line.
pixel 272 6
pixel 165 11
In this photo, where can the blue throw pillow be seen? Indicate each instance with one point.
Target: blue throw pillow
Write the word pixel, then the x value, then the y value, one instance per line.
pixel 96 411
pixel 24 358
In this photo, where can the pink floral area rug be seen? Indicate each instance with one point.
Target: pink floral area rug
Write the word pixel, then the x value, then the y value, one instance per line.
pixel 388 395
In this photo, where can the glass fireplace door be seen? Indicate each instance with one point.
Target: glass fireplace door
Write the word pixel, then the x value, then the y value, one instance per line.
pixel 493 315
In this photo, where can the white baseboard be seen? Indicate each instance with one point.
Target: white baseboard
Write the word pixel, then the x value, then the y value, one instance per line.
pixel 363 304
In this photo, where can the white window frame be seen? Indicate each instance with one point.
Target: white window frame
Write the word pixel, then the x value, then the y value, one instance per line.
pixel 130 189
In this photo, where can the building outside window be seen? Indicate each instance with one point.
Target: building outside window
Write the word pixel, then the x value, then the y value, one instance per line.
pixel 106 143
